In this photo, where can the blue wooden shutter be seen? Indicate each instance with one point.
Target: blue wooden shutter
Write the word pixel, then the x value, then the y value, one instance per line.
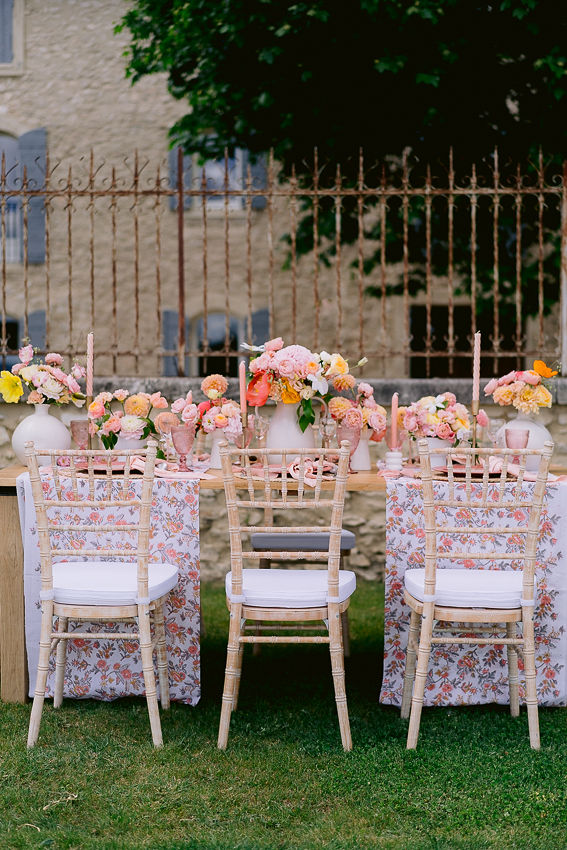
pixel 33 146
pixel 259 175
pixel 260 326
pixel 36 329
pixel 170 330
pixel 6 31
pixel 187 178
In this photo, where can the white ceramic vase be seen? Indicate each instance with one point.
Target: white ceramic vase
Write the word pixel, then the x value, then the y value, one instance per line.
pixel 360 458
pixel 539 435
pixel 45 431
pixel 284 431
pixel 217 436
pixel 435 444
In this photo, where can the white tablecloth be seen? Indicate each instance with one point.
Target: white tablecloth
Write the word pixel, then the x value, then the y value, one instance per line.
pixel 108 669
pixel 458 674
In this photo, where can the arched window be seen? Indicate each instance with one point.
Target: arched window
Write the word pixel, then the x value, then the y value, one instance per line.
pixel 9 154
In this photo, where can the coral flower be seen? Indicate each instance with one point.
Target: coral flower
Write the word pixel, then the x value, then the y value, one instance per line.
pixel 137 405
pixel 258 389
pixel 338 406
pixel 10 387
pixel 543 370
pixel 344 382
pixel 214 386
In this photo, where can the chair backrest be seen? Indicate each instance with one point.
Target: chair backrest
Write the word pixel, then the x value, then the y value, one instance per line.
pixel 87 482
pixel 301 479
pixel 458 501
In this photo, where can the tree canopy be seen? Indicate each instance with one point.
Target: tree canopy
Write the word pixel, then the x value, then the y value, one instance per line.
pixel 382 74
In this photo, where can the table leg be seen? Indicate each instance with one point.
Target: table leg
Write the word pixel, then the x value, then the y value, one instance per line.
pixel 13 660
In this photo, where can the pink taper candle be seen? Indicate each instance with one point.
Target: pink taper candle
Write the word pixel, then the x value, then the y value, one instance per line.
pixel 90 365
pixel 394 431
pixel 242 380
pixel 476 367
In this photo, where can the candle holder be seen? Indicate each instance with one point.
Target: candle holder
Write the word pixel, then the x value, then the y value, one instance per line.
pixel 475 406
pixel 394 460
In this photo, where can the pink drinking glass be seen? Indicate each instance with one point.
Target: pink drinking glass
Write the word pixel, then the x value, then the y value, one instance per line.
pixel 350 434
pixel 517 438
pixel 183 437
pixel 80 432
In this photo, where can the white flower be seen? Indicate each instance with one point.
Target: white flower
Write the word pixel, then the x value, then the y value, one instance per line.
pixel 131 427
pixel 319 383
pixel 52 388
pixel 440 401
pixel 307 392
pixel 463 434
pixel 252 347
pixel 325 357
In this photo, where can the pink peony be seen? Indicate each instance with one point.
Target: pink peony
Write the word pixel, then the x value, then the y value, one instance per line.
pixel 444 431
pixel 529 377
pixel 491 386
pixel 482 419
pixel 121 395
pixel 260 364
pixel 208 420
pixel 158 401
pixel 112 425
pixel 365 389
pixel 234 427
pixel 507 379
pixel 39 379
pixel 353 418
pixel 26 354
pixel 73 384
pixel 96 409
pixel 274 344
pixel 178 405
pixel 53 359
pixel 189 414
pixel 78 372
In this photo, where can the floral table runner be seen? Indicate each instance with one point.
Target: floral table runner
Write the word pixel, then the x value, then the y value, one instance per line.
pixel 459 675
pixel 109 669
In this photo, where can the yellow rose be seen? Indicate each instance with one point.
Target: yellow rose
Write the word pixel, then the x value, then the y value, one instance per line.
pixel 503 395
pixel 337 366
pixel 10 387
pixel 542 396
pixel 289 395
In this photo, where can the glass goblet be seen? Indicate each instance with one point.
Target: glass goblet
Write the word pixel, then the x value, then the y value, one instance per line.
pixel 183 438
pixel 494 431
pixel 164 422
pixel 327 430
pixel 517 438
pixel 80 432
pixel 344 432
pixel 261 427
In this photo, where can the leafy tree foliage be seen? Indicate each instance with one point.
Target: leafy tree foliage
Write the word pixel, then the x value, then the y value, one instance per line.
pixel 381 74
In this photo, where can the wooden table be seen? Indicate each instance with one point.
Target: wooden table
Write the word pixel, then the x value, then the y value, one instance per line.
pixel 13 661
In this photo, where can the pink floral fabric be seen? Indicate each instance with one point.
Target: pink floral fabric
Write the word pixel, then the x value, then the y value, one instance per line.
pixel 103 669
pixel 464 675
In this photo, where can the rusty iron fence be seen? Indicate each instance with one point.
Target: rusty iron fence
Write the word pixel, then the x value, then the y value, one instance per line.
pixel 174 265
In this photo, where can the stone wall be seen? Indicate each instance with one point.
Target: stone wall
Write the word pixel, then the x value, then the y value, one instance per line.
pixel 364 512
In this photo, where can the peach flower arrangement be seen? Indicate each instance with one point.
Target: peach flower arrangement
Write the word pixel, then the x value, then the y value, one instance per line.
pixel 527 390
pixel 46 381
pixel 217 412
pixel 361 410
pixel 120 414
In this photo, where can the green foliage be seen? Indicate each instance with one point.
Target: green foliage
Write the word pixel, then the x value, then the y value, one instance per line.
pixel 379 74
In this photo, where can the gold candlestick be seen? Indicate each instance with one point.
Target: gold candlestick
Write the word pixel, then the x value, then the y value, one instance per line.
pixel 88 404
pixel 475 405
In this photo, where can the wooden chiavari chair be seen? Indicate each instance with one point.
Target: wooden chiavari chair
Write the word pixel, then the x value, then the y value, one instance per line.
pixel 111 584
pixel 295 598
pixel 486 600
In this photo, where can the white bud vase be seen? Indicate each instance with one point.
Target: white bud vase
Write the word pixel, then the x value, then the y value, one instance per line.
pixel 435 444
pixel 217 437
pixel 360 458
pixel 284 431
pixel 45 431
pixel 539 435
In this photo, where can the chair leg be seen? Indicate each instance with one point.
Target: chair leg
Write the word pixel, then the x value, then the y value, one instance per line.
pixel 513 678
pixel 238 677
pixel 338 671
pixel 345 626
pixel 420 674
pixel 231 673
pixel 60 659
pixel 161 651
pixel 149 675
pixel 530 672
pixel 409 674
pixel 42 671
pixel 263 564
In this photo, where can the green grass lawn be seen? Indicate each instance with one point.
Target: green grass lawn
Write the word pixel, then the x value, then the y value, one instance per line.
pixel 94 780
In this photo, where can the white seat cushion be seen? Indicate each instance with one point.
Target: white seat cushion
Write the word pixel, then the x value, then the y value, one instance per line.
pixel 290 588
pixel 470 588
pixel 108 582
pixel 311 541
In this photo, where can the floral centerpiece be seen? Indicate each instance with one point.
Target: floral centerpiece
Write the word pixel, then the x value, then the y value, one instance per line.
pixel 293 374
pixel 359 411
pixel 216 413
pixel 526 390
pixel 46 381
pixel 440 416
pixel 131 420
